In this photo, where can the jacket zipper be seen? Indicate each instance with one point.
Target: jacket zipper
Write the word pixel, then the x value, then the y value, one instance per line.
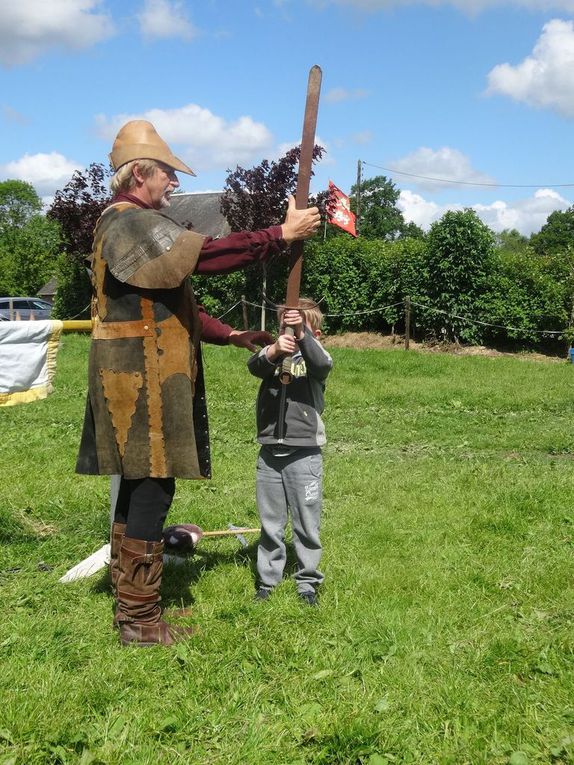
pixel 282 408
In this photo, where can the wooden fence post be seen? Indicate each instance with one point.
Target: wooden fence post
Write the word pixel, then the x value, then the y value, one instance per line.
pixel 407 322
pixel 244 309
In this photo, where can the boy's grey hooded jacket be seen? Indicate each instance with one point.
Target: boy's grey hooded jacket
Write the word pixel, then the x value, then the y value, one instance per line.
pixel 291 414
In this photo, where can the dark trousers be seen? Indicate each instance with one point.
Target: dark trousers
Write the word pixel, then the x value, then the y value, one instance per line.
pixel 143 505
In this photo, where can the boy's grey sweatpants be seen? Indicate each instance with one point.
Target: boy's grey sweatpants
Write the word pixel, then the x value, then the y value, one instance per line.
pixel 293 483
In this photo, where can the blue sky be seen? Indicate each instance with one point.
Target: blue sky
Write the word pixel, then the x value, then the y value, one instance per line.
pixel 476 93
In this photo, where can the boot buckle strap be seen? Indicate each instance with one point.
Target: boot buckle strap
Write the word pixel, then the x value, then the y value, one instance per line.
pixel 148 558
pixel 128 597
pixel 137 557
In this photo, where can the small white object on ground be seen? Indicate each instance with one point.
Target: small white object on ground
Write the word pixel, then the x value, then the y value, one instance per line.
pixel 89 565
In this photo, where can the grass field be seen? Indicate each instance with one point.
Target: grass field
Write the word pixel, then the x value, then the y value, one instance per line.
pixel 445 632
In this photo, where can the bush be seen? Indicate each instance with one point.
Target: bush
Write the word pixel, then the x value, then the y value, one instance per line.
pixel 527 295
pixel 358 281
pixel 459 253
pixel 362 284
pixel 72 300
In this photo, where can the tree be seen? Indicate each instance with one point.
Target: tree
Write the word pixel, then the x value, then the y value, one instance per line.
pixel 379 216
pixel 18 203
pixel 77 208
pixel 510 240
pixel 28 241
pixel 459 249
pixel 556 235
pixel 412 231
pixel 256 198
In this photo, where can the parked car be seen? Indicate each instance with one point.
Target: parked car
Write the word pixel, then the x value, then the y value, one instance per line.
pixel 24 308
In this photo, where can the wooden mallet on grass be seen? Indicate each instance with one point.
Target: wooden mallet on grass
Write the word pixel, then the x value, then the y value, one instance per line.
pixel 184 537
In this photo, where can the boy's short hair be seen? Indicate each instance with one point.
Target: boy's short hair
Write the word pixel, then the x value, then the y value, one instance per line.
pixel 309 310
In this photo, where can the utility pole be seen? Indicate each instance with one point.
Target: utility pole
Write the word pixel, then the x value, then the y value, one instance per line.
pixel 358 198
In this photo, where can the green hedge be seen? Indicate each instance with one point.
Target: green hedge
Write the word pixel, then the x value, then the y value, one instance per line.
pixel 528 295
pixel 358 282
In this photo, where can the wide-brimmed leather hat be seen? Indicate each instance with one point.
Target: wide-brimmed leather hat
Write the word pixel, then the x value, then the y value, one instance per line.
pixel 138 139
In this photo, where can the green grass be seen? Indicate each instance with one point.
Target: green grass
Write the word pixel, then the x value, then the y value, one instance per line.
pixel 446 627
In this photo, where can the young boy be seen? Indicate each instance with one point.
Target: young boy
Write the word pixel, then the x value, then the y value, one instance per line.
pixel 290 464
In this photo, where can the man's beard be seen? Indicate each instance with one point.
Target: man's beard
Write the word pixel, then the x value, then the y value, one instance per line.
pixel 166 197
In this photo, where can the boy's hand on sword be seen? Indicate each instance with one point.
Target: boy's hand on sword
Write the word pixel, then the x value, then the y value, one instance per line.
pixel 292 318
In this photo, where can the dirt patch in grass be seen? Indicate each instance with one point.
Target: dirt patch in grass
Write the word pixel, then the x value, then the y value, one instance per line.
pixel 373 341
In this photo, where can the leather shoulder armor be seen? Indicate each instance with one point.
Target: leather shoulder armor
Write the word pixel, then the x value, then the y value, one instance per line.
pixel 132 237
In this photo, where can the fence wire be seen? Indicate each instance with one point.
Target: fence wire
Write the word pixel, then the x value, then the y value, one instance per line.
pixel 274 306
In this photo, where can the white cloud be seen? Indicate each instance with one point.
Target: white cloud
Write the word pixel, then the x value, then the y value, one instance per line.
pixel 546 77
pixel 362 137
pixel 421 211
pixel 450 166
pixel 200 137
pixel 468 6
pixel 525 215
pixel 336 95
pixel 13 116
pixel 29 28
pixel 46 172
pixel 282 148
pixel 164 19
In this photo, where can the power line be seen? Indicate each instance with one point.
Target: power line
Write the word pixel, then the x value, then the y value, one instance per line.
pixel 473 183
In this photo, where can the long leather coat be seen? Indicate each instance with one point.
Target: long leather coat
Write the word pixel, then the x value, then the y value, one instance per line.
pixel 146 413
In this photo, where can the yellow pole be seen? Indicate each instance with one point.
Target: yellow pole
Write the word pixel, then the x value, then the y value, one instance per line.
pixel 77 326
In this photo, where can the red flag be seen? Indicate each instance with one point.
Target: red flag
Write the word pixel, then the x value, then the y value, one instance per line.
pixel 339 210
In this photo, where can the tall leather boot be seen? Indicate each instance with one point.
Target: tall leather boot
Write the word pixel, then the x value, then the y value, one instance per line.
pixel 116 536
pixel 138 612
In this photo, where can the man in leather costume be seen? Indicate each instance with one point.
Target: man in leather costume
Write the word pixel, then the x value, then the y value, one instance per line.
pixel 146 417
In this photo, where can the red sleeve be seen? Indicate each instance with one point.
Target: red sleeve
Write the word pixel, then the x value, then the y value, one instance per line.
pixel 230 253
pixel 213 330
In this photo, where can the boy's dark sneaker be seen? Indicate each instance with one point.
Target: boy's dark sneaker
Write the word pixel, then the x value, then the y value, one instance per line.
pixel 262 593
pixel 309 597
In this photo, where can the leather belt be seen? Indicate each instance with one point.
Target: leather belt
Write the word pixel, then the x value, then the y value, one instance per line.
pixel 115 330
